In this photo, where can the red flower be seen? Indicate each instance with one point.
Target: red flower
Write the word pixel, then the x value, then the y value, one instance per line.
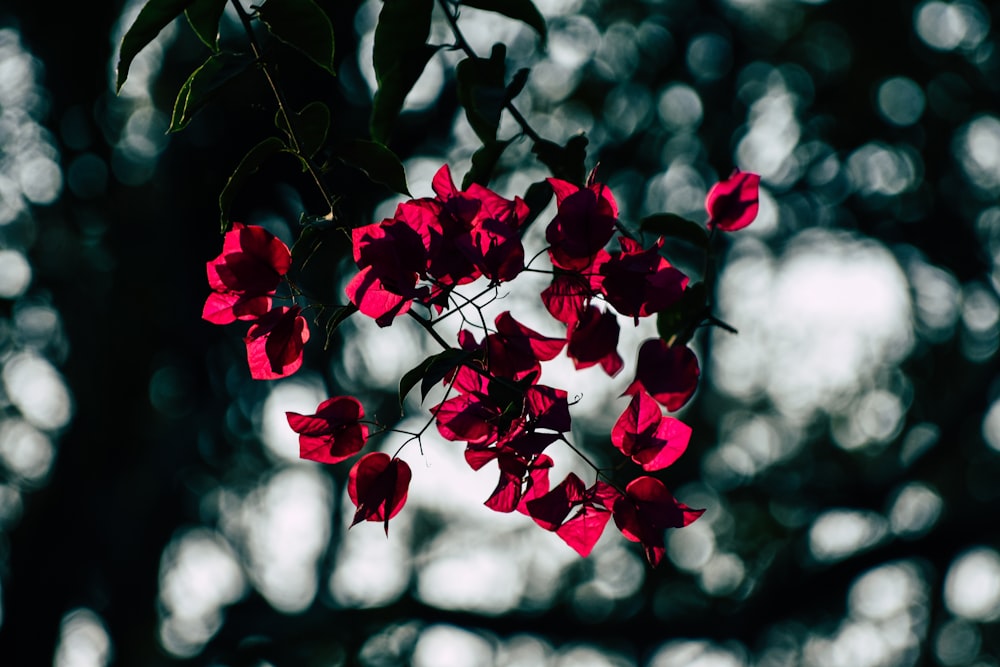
pixel 650 439
pixel 640 282
pixel 582 531
pixel 334 433
pixel 668 374
pixel 645 512
pixel 244 276
pixel 570 293
pixel 378 486
pixel 275 343
pixel 732 204
pixel 594 340
pixel 584 223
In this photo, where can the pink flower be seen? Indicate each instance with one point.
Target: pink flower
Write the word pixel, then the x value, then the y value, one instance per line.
pixel 668 374
pixel 584 223
pixel 732 204
pixel 645 512
pixel 650 439
pixel 334 433
pixel 244 276
pixel 378 485
pixel 275 343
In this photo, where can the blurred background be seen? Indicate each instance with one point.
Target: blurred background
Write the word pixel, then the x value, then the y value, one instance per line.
pixel 153 510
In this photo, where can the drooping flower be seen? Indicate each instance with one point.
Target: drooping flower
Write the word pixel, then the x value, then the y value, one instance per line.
pixel 378 485
pixel 275 343
pixel 645 512
pixel 733 203
pixel 583 529
pixel 334 433
pixel 594 340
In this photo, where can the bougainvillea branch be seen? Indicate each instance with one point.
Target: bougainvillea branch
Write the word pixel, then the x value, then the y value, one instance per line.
pixel 419 262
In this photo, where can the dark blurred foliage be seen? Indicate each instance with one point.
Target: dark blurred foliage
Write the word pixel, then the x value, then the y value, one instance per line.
pixel 163 413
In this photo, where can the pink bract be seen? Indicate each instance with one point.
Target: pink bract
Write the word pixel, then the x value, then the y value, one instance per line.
pixel 733 203
pixel 275 343
pixel 378 485
pixel 333 433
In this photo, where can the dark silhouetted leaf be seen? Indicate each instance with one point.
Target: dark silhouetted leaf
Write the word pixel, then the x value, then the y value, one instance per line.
pixel 310 125
pixel 517 83
pixel 482 92
pixel 399 55
pixel 677 323
pixel 484 161
pixel 301 24
pixel 204 15
pixel 153 17
pixel 250 163
pixel 336 318
pixel 537 198
pixel 565 162
pixel 378 162
pixel 204 83
pixel 441 365
pixel 520 10
pixel 675 227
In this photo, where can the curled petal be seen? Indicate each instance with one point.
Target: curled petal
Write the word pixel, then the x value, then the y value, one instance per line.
pixel 733 203
pixel 333 433
pixel 275 343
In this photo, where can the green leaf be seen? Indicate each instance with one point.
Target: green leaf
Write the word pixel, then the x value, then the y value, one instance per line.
pixel 484 161
pixel 565 162
pixel 519 10
pixel 400 55
pixel 153 17
pixel 311 126
pixel 303 25
pixel 250 163
pixel 204 83
pixel 677 323
pixel 204 15
pixel 482 92
pixel 675 227
pixel 378 162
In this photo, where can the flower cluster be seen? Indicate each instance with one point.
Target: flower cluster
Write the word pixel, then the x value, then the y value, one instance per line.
pixel 432 245
pixel 244 278
pixel 494 402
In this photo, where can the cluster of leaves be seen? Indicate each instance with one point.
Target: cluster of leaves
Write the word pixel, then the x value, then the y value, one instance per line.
pixel 414 263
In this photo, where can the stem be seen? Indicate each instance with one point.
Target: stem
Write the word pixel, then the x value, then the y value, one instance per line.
pixel 428 326
pixel 464 45
pixel 283 107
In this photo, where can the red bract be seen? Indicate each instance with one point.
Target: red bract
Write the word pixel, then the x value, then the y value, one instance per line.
pixel 668 374
pixel 517 473
pixel 582 531
pixel 334 433
pixel 483 226
pixel 391 255
pixel 594 340
pixel 732 204
pixel 275 343
pixel 569 295
pixel 377 486
pixel 645 512
pixel 244 276
pixel 650 439
pixel 515 351
pixel 640 282
pixel 584 223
